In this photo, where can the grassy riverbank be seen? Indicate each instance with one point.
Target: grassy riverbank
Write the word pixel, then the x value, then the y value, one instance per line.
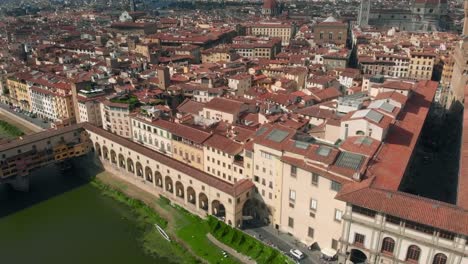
pixel 187 231
pixel 146 217
pixel 8 130
pixel 244 243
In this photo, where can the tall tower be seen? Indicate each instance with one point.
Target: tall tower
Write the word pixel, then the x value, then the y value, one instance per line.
pixel 465 24
pixel 460 69
pixel 132 6
pixel 364 10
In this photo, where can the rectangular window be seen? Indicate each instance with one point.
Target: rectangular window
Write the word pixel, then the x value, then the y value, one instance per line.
pixel 363 211
pixel 336 186
pixel 359 239
pixel 313 204
pixel 315 179
pixel 292 195
pixel 290 222
pixel 419 227
pixel 334 244
pixel 293 171
pixel 310 232
pixel 338 215
pixel 393 219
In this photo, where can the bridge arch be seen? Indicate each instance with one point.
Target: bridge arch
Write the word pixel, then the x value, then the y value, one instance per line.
pixel 130 167
pixel 105 153
pixel 168 182
pixel 191 195
pixel 218 209
pixel 139 169
pixel 203 201
pixel 148 174
pixel 121 161
pixel 158 178
pixel 113 157
pixel 98 149
pixel 179 189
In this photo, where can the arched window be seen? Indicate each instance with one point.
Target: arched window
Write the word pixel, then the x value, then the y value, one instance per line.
pixel 388 245
pixel 439 259
pixel 413 253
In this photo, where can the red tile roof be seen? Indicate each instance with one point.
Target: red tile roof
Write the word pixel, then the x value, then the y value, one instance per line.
pixel 380 192
pixel 229 188
pixel 224 105
pixel 224 144
pixel 406 206
pixel 393 158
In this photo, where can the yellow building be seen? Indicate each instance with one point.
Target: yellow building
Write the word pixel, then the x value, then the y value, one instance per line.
pixel 283 30
pixel 421 65
pixel 19 92
pixel 187 144
pixel 218 54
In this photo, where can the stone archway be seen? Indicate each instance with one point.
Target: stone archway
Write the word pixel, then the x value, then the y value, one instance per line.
pixel 113 157
pixel 105 153
pixel 357 256
pixel 139 169
pixel 168 183
pixel 218 209
pixel 98 149
pixel 130 167
pixel 203 201
pixel 121 161
pixel 158 179
pixel 148 174
pixel 251 213
pixel 191 195
pixel 180 189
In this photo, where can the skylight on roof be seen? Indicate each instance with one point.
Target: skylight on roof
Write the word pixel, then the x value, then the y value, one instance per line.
pixel 323 151
pixel 374 116
pixel 363 140
pixel 277 135
pixel 350 160
pixel 301 145
pixel 261 131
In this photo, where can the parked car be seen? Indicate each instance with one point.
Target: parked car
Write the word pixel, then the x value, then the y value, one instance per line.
pixel 297 254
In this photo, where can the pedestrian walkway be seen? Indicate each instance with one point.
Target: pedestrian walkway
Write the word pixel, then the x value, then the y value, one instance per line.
pixel 237 255
pixel 35 122
pixel 285 242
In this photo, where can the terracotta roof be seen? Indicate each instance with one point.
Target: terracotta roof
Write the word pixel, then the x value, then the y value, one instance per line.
pixel 389 165
pixel 397 85
pixel 224 105
pixel 406 206
pixel 360 144
pixel 190 133
pixel 28 139
pixel 231 189
pixel 224 144
pixel 190 106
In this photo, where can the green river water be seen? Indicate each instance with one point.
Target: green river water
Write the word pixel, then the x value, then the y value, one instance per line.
pixel 63 219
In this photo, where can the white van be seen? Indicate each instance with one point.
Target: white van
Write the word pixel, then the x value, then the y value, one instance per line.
pixel 297 253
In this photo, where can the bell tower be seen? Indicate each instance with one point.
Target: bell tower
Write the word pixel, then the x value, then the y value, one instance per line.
pixel 465 24
pixel 364 10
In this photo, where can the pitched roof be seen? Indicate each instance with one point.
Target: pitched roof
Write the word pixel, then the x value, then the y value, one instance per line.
pixel 229 188
pixel 224 105
pixel 224 144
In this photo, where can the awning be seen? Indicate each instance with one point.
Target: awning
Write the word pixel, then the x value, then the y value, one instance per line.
pixel 328 252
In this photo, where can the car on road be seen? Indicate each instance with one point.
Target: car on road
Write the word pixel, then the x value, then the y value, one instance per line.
pixel 297 254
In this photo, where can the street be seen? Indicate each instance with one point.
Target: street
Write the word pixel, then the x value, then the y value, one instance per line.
pixel 284 243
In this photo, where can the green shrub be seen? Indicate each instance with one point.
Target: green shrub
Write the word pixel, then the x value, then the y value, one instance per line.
pixel 10 129
pixel 244 243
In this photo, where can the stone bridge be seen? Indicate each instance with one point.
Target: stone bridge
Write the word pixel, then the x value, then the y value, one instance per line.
pixel 194 190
